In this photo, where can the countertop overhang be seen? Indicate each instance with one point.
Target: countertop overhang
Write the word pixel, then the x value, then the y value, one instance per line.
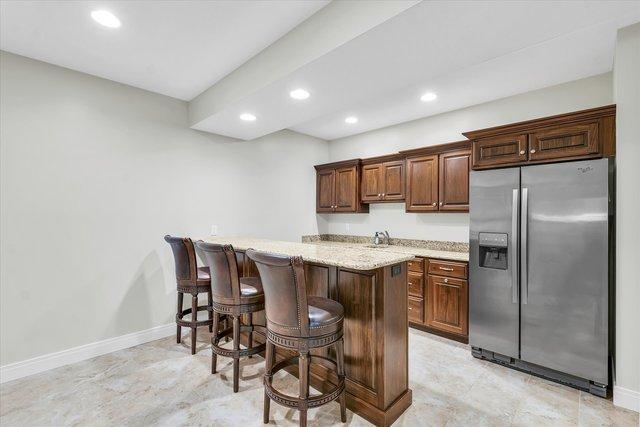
pixel 347 256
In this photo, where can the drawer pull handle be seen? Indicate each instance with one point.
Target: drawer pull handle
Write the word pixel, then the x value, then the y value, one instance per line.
pixel 446 268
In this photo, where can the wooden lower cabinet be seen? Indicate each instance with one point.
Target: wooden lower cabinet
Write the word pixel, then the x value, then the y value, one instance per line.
pixel 416 310
pixel 438 297
pixel 447 301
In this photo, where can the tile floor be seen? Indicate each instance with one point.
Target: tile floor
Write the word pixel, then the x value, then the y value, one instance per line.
pixel 160 383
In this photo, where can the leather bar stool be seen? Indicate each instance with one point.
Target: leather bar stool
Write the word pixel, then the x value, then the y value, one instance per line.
pixel 192 280
pixel 299 323
pixel 233 296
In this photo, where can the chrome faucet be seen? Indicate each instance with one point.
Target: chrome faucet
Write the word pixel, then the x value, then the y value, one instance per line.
pixel 381 234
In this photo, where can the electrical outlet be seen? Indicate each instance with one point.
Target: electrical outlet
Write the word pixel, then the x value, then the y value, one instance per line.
pixel 214 230
pixel 346 227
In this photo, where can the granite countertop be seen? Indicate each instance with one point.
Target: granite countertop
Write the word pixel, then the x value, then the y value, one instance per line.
pixel 356 257
pixel 408 250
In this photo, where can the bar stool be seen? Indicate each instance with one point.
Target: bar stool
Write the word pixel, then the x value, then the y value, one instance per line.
pixel 192 280
pixel 299 323
pixel 232 296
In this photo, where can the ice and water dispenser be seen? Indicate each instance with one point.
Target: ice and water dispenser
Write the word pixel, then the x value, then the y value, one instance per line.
pixel 493 250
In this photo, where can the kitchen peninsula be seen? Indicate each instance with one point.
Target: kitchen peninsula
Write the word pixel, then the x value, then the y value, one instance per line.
pixel 372 286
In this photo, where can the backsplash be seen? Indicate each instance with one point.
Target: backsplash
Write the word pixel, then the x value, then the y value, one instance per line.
pixel 427 244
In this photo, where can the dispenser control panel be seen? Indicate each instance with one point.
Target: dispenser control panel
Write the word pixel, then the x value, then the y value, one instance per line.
pixel 496 240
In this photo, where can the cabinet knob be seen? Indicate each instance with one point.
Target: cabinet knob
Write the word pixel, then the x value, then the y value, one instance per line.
pixel 382 194
pixel 532 151
pixel 522 152
pixel 379 194
pixel 446 280
pixel 440 203
pixel 434 204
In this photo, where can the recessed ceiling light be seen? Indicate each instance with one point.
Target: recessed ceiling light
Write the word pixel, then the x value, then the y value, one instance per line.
pixel 351 120
pixel 429 96
pixel 247 117
pixel 299 94
pixel 105 18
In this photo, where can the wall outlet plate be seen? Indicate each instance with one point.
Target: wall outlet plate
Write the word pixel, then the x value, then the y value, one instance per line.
pixel 214 230
pixel 346 227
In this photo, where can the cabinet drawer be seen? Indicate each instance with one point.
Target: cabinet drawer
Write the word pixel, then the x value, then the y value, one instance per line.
pixel 416 310
pixel 416 265
pixel 448 268
pixel 416 284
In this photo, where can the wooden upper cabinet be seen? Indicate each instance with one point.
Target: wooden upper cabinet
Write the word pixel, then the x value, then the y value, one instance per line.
pixel 500 150
pixel 338 187
pixel 579 139
pixel 346 189
pixel 454 181
pixel 572 136
pixel 382 179
pixel 393 174
pixel 371 182
pixel 325 186
pixel 422 184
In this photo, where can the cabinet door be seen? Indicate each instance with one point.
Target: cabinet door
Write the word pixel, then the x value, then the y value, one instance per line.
pixel 447 301
pixel 346 195
pixel 416 310
pixel 422 184
pixel 372 187
pixel 393 174
pixel 499 150
pixel 325 186
pixel 415 284
pixel 454 181
pixel 568 141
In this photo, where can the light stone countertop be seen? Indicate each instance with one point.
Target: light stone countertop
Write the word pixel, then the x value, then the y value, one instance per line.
pixel 356 257
pixel 409 250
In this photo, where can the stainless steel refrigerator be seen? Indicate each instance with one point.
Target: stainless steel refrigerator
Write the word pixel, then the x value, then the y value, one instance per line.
pixel 539 267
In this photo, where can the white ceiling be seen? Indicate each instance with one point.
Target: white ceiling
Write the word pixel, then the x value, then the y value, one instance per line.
pixel 176 48
pixel 467 52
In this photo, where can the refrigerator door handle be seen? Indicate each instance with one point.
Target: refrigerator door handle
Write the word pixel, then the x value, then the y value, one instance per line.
pixel 514 247
pixel 524 247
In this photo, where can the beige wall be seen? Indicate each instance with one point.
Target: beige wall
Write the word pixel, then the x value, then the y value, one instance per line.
pixel 627 97
pixel 93 175
pixel 448 127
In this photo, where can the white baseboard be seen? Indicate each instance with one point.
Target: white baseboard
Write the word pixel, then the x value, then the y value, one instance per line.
pixel 626 398
pixel 45 362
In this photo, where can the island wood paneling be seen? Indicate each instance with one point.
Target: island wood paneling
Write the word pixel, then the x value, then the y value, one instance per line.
pixel 375 337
